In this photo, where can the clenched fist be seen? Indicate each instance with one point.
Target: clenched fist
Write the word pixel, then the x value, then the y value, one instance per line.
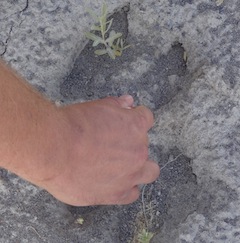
pixel 84 154
pixel 104 153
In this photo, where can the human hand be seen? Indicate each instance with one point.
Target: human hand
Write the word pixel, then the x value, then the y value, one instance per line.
pixel 103 153
pixel 83 154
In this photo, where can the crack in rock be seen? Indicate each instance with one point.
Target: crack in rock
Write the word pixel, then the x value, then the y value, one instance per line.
pixel 25 8
pixel 18 12
pixel 11 28
pixel 7 41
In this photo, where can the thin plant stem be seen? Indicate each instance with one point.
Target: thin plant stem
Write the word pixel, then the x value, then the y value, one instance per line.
pixel 143 192
pixel 171 161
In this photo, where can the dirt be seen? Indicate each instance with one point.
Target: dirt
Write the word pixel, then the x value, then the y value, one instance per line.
pixel 94 77
pixel 172 198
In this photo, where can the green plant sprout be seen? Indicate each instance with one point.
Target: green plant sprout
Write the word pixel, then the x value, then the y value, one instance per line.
pixel 219 2
pixel 145 236
pixel 112 42
pixel 80 221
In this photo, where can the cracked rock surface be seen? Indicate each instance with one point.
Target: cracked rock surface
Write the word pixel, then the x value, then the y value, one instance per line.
pixel 183 64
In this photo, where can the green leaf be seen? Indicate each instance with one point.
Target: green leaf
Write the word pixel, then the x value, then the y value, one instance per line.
pixel 80 221
pixel 97 42
pixel 112 33
pixel 103 24
pixel 112 38
pixel 118 41
pixel 121 43
pixel 96 28
pixel 93 37
pixel 125 47
pixel 145 236
pixel 101 52
pixel 109 23
pixel 103 18
pixel 111 53
pixel 104 9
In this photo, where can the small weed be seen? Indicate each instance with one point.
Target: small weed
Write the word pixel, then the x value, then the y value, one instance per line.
pixel 111 41
pixel 219 2
pixel 145 236
pixel 146 216
pixel 79 221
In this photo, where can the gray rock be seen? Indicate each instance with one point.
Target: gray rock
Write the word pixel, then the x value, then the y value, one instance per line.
pixel 183 64
pixel 42 39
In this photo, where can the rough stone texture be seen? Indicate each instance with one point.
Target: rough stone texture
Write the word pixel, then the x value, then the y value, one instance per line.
pixel 184 64
pixel 41 39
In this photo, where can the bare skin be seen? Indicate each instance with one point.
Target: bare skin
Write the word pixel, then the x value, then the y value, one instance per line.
pixel 92 153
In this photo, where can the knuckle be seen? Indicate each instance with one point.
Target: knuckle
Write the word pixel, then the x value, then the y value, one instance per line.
pixel 139 158
pixel 145 118
pixel 118 196
pixel 141 122
pixel 134 196
pixel 155 173
pixel 141 155
pixel 129 197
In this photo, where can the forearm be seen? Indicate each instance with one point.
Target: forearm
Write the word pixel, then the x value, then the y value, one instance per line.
pixel 24 117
